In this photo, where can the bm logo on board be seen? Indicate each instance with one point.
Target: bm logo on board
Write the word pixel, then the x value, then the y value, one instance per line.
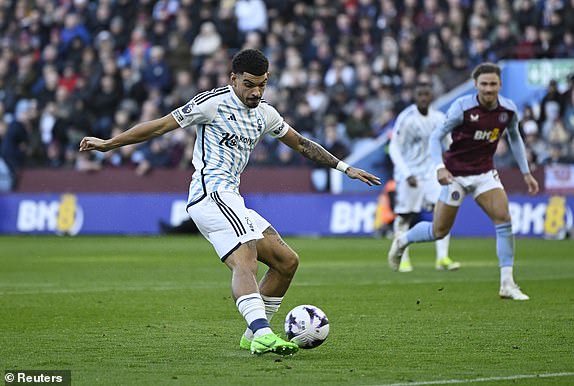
pixel 63 217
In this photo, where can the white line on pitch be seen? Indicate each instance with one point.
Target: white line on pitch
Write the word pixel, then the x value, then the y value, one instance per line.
pixel 458 381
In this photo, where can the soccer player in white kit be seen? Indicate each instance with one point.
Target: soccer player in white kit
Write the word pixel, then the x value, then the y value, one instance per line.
pixel 230 121
pixel 417 188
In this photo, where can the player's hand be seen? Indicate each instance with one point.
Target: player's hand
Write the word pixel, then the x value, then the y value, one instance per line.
pixel 412 181
pixel 93 143
pixel 443 176
pixel 531 183
pixel 366 177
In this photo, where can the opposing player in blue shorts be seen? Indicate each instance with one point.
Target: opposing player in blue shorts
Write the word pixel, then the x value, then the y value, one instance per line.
pixel 476 123
pixel 230 121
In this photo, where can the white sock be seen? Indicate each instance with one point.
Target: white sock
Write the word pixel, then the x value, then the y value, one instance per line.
pixel 252 308
pixel 401 226
pixel 406 257
pixel 272 304
pixel 442 247
pixel 506 276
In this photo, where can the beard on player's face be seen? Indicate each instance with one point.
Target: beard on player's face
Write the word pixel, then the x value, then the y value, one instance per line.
pixel 249 88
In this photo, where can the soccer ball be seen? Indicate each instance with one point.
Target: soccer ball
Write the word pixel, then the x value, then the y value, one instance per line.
pixel 307 326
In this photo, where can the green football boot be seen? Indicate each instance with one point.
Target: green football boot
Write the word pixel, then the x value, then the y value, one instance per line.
pixel 272 343
pixel 446 264
pixel 244 343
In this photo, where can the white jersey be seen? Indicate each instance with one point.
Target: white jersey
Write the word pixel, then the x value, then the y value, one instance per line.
pixel 227 132
pixel 409 145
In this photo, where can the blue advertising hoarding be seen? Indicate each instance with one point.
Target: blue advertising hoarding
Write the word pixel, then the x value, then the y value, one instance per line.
pixel 290 214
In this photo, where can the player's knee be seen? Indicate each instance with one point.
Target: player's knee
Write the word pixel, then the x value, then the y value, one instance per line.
pixel 290 263
pixel 440 232
pixel 293 262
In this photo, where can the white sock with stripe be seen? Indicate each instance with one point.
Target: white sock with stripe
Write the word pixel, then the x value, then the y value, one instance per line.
pixel 252 308
pixel 272 304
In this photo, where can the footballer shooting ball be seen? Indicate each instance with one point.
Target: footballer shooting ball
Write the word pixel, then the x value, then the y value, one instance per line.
pixel 307 326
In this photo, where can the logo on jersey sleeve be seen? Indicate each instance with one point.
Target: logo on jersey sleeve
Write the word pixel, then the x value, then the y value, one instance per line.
pixel 278 130
pixel 188 108
pixel 178 116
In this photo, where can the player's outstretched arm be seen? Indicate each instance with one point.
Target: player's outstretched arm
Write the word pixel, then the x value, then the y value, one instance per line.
pixel 138 133
pixel 315 152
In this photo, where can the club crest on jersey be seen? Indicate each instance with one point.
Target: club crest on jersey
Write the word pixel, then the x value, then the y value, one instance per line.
pixel 474 117
pixel 503 117
pixel 187 108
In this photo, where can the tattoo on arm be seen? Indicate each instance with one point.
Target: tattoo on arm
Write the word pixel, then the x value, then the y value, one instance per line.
pixel 316 152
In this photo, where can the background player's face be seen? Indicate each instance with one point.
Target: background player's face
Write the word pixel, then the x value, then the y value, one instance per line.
pixel 423 97
pixel 249 88
pixel 488 86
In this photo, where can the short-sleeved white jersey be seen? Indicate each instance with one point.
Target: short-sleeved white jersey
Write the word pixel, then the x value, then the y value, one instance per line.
pixel 409 146
pixel 227 132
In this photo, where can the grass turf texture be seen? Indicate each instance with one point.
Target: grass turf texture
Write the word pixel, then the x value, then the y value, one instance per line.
pixel 158 311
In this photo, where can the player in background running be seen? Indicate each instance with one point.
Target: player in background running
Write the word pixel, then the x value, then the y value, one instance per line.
pixel 475 123
pixel 417 187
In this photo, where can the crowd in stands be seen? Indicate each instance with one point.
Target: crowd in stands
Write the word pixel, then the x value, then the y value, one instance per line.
pixel 340 70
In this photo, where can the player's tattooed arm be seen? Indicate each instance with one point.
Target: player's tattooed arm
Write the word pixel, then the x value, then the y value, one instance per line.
pixel 317 153
pixel 309 149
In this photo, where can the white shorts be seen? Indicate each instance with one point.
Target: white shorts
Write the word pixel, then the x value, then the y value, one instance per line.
pixel 453 193
pixel 225 222
pixel 415 200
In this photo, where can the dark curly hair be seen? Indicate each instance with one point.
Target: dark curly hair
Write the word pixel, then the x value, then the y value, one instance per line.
pixel 251 61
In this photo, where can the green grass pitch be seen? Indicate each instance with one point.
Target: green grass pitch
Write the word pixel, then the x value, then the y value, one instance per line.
pixel 158 311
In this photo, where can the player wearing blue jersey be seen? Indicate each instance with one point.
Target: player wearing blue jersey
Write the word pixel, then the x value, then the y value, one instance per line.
pixel 230 121
pixel 476 124
pixel 417 188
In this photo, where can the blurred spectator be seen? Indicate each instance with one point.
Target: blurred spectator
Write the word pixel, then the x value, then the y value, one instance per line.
pixel 103 104
pixel 156 73
pixel 22 142
pixel 550 107
pixel 73 28
pixel 358 127
pixel 332 140
pixel 251 15
pixel 558 155
pixel 528 45
pixel 526 14
pixel 207 42
pixel 533 142
pixel 568 116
